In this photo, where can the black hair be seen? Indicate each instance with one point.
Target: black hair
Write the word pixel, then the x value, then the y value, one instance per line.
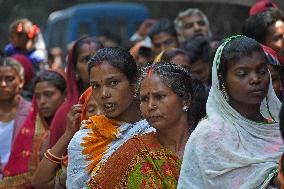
pixel 52 77
pixel 197 49
pixel 257 26
pixel 180 81
pixel 235 50
pixel 163 25
pixel 118 58
pixel 171 53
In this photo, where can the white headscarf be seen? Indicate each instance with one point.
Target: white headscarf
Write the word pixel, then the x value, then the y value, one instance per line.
pixel 227 150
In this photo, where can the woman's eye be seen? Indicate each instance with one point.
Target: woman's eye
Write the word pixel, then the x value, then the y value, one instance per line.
pixel 241 74
pixel 95 86
pixel 144 99
pixel 160 97
pixel 48 94
pixel 114 83
pixel 263 71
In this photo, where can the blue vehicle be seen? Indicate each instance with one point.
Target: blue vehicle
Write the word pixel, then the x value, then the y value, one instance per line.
pixel 119 19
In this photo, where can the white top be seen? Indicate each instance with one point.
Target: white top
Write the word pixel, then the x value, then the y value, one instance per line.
pixel 6 135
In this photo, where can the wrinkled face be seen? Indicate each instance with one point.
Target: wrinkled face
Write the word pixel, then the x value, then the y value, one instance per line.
pixel 182 60
pixel 48 98
pixel 163 41
pixel 275 37
pixel 160 106
pixel 10 83
pixel 247 80
pixel 112 90
pixel 85 53
pixel 193 26
pixel 201 71
pixel 276 79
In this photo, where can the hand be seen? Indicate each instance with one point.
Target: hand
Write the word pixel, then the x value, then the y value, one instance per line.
pixel 144 28
pixel 73 120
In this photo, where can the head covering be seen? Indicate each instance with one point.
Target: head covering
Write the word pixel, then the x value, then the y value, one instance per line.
pixel 273 57
pixel 58 125
pixel 29 72
pixel 227 150
pixel 84 99
pixel 261 6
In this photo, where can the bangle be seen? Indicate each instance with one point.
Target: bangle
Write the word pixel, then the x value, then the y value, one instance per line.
pixel 46 155
pixel 54 156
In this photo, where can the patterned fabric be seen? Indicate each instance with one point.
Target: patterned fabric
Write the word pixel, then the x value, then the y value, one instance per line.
pixel 26 152
pixel 77 176
pixel 227 150
pixel 141 162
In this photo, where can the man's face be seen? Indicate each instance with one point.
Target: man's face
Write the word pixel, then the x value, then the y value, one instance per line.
pixel 193 26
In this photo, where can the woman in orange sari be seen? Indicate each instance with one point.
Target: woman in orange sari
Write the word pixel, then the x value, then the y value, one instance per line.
pixel 32 139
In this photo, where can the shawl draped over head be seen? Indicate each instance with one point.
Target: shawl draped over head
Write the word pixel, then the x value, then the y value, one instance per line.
pixel 59 121
pixel 84 99
pixel 141 162
pixel 227 150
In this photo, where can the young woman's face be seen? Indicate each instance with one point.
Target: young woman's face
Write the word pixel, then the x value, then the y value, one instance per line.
pixel 181 59
pixel 160 106
pixel 93 108
pixel 48 98
pixel 248 80
pixel 276 79
pixel 10 83
pixel 85 52
pixel 275 37
pixel 112 90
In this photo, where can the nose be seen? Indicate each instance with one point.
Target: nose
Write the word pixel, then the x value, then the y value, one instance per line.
pixel 196 26
pixel 151 104
pixel 3 83
pixel 41 101
pixel 105 92
pixel 255 79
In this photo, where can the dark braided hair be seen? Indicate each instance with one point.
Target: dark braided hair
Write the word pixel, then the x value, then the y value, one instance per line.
pixel 118 58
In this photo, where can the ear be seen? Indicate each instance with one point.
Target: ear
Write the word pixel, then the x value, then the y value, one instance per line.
pixel 187 100
pixel 21 84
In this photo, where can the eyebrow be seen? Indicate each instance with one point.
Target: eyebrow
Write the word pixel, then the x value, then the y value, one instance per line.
pixel 109 78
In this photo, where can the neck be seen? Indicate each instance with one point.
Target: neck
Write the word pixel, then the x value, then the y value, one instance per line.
pixel 175 137
pixel 132 115
pixel 7 105
pixel 251 112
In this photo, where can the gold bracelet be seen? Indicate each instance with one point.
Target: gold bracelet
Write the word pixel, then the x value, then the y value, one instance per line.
pixel 51 159
pixel 54 156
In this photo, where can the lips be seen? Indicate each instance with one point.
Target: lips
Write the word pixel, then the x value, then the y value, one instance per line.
pixel 257 92
pixel 43 110
pixel 109 106
pixel 154 118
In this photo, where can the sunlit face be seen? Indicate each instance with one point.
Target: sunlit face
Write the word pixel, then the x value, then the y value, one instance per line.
pixel 193 26
pixel 181 59
pixel 48 98
pixel 85 52
pixel 163 41
pixel 201 71
pixel 248 80
pixel 160 106
pixel 275 37
pixel 276 79
pixel 112 90
pixel 10 83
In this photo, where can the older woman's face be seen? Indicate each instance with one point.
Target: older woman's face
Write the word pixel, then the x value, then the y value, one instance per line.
pixel 160 106
pixel 10 83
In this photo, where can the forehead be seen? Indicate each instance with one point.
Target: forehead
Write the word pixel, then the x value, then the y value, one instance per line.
pixel 162 36
pixel 104 70
pixel 253 60
pixel 8 70
pixel 42 86
pixel 153 83
pixel 191 18
pixel 87 48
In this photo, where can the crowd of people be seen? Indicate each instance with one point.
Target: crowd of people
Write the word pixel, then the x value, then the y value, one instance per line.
pixel 175 109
